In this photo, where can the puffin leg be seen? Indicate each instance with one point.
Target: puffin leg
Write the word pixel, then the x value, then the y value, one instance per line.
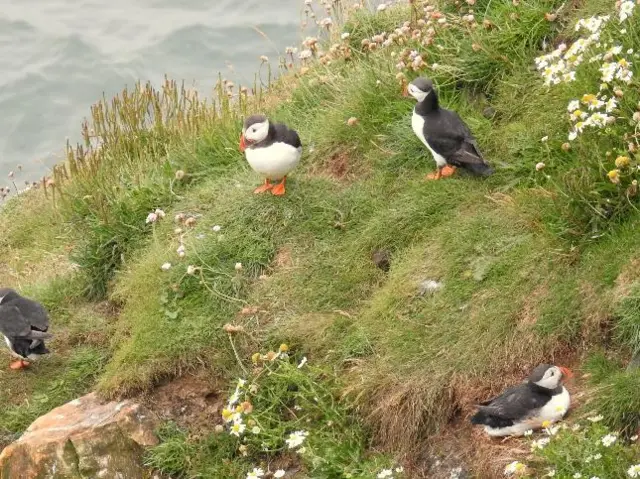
pixel 448 171
pixel 19 364
pixel 279 190
pixel 435 175
pixel 266 187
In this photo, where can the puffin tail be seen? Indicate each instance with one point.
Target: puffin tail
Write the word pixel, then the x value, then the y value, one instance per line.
pixel 479 418
pixel 481 169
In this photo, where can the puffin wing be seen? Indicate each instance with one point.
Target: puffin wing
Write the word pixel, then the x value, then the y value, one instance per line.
pixel 515 403
pixel 13 324
pixel 287 135
pixel 33 312
pixel 456 143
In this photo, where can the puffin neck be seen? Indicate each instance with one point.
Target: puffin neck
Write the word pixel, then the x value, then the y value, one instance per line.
pixel 429 104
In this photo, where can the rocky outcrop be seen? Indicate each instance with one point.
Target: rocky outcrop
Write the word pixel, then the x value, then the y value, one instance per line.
pixel 82 439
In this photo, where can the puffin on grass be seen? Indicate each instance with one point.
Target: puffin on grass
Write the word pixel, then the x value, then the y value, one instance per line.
pixel 540 399
pixel 444 133
pixel 272 150
pixel 24 324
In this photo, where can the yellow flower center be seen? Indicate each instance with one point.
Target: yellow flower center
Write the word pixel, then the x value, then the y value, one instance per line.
pixel 622 162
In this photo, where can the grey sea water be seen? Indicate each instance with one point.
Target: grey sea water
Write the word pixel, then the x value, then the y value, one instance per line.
pixel 57 57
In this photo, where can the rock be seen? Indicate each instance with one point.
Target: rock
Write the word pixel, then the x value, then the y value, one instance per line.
pixel 382 259
pixel 83 439
pixel 429 286
pixel 489 112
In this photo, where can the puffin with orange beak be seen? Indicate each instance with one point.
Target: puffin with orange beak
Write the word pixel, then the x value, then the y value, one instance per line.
pixel 272 149
pixel 538 402
pixel 444 133
pixel 24 323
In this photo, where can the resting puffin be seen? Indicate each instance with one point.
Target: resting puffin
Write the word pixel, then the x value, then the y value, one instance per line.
pixel 272 149
pixel 541 398
pixel 24 324
pixel 444 133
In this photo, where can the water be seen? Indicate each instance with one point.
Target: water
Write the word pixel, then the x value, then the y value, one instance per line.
pixel 57 57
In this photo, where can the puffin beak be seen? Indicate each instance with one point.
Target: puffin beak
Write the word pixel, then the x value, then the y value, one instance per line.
pixel 243 145
pixel 566 372
pixel 405 89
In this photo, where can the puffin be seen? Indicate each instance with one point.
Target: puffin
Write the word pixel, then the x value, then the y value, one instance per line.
pixel 541 398
pixel 272 150
pixel 444 133
pixel 24 324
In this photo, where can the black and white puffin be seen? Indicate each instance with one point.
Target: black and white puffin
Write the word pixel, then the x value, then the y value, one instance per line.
pixel 24 324
pixel 444 133
pixel 541 399
pixel 272 150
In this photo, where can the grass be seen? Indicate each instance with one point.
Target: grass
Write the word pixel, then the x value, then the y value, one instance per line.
pixel 280 398
pixel 535 266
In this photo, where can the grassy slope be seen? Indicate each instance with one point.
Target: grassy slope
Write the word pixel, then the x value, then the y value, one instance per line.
pixel 519 286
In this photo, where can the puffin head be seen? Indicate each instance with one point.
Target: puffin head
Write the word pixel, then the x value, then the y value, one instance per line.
pixel 549 376
pixel 7 294
pixel 420 88
pixel 254 130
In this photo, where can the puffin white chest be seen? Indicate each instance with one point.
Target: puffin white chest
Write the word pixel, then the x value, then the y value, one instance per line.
pixel 417 123
pixel 556 408
pixel 10 346
pixel 274 161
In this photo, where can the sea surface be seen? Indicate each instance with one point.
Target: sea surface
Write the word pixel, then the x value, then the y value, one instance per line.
pixel 57 58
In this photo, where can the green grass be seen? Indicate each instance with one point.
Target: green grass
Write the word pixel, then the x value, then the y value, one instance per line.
pixel 536 266
pixel 282 399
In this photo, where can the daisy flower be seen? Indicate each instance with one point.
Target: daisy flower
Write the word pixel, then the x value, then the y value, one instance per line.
pixel 513 468
pixel 609 439
pixel 256 473
pixel 237 429
pixel 296 439
pixel 634 471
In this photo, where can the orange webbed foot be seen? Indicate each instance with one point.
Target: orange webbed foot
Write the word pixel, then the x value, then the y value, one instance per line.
pixel 279 190
pixel 19 365
pixel 435 175
pixel 266 187
pixel 448 171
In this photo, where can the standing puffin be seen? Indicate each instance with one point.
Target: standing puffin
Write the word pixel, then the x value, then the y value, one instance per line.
pixel 539 399
pixel 24 324
pixel 272 150
pixel 444 133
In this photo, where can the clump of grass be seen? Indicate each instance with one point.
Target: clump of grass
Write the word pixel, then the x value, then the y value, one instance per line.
pixel 615 393
pixel 585 449
pixel 284 416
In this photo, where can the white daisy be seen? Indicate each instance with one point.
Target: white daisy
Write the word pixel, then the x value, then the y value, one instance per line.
pixel 296 439
pixel 609 439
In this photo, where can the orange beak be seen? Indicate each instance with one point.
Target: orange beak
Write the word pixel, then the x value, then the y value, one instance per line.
pixel 405 89
pixel 566 372
pixel 243 145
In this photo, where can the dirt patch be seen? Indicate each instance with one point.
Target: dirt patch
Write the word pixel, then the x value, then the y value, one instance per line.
pixel 338 166
pixel 109 310
pixel 283 259
pixel 626 280
pixel 193 402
